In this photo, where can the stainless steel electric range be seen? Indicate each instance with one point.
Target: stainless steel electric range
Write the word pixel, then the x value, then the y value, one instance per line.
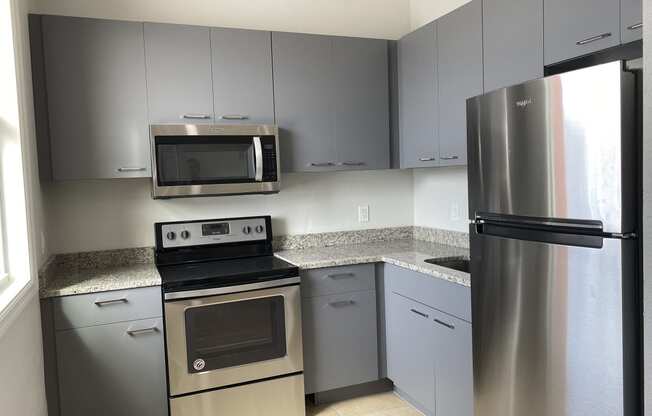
pixel 232 319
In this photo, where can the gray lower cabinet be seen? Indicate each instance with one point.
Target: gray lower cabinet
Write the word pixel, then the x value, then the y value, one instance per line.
pixel 179 86
pixel 410 350
pixel 97 98
pixel 459 69
pixel 339 340
pixel 574 28
pixel 512 42
pixel 417 96
pixel 114 369
pixel 243 90
pixel 453 351
pixel 331 102
pixel 631 20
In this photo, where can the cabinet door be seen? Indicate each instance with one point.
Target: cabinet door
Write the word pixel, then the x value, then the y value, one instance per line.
pixel 631 20
pixel 115 369
pixel 362 110
pixel 410 362
pixel 453 365
pixel 513 42
pixel 459 62
pixel 418 105
pixel 574 28
pixel 340 340
pixel 97 101
pixel 304 101
pixel 179 86
pixel 242 76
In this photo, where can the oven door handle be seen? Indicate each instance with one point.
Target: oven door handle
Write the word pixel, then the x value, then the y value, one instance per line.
pixel 258 156
pixel 269 284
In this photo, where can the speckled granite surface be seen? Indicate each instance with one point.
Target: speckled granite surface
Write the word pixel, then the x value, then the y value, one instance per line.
pixel 98 271
pixel 339 238
pixel 407 253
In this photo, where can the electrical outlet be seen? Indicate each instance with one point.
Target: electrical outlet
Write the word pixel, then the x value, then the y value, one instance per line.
pixel 363 213
pixel 455 211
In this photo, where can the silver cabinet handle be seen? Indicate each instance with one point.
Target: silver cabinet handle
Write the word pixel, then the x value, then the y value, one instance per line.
pixel 351 163
pixel 449 157
pixel 107 302
pixel 341 303
pixel 427 159
pixel 196 116
pixel 234 117
pixel 258 155
pixel 134 332
pixel 636 26
pixel 593 39
pixel 321 164
pixel 340 276
pixel 131 169
pixel 447 325
pixel 419 313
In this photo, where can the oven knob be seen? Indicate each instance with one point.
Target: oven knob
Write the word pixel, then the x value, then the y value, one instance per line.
pixel 246 229
pixel 259 229
pixel 199 364
pixel 185 234
pixel 171 235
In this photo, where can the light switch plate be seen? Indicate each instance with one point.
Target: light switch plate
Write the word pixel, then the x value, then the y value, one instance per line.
pixel 363 213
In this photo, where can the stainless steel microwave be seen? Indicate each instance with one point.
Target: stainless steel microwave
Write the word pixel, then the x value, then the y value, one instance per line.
pixel 205 159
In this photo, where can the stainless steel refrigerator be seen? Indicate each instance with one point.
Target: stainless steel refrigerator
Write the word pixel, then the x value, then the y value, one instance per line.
pixel 553 185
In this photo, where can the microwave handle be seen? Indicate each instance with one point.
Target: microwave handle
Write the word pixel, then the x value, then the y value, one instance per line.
pixel 258 156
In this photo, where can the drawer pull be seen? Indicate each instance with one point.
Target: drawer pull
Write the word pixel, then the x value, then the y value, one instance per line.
pixel 636 26
pixel 341 303
pixel 339 276
pixel 593 39
pixel 449 157
pixel 321 164
pixel 108 302
pixel 196 116
pixel 419 313
pixel 427 159
pixel 234 117
pixel 351 163
pixel 447 325
pixel 131 169
pixel 135 332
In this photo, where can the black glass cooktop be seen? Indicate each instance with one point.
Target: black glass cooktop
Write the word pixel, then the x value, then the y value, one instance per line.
pixel 220 273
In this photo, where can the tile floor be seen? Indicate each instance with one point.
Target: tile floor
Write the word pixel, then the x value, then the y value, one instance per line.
pixel 381 404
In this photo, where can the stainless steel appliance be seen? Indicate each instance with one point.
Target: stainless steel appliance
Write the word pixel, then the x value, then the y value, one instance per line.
pixel 552 198
pixel 232 319
pixel 206 159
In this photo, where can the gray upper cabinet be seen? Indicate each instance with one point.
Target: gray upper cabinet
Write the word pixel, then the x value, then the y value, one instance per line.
pixel 459 63
pixel 179 86
pixel 362 103
pixel 242 76
pixel 631 20
pixel 417 91
pixel 453 365
pixel 97 101
pixel 513 42
pixel 304 101
pixel 115 369
pixel 574 28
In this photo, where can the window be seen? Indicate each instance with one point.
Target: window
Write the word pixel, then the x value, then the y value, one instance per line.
pixel 15 272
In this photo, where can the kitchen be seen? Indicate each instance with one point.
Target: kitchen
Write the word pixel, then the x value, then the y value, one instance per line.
pixel 342 204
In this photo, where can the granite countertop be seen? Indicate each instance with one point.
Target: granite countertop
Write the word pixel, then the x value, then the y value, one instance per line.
pixel 75 274
pixel 407 253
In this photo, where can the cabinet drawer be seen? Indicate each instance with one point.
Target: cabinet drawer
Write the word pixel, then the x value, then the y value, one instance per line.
pixel 451 298
pixel 333 280
pixel 340 340
pixel 106 307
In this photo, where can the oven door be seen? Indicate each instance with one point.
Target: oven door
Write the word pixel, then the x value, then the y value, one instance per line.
pixel 228 339
pixel 189 160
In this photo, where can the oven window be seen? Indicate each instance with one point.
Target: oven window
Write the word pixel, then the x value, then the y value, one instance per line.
pixel 235 333
pixel 200 160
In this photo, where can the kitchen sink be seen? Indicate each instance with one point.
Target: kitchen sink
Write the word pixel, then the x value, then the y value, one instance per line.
pixel 456 263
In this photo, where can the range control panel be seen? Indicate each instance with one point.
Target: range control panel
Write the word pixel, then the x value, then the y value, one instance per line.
pixel 186 234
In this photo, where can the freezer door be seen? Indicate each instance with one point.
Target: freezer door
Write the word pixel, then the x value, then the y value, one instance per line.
pixel 558 147
pixel 553 328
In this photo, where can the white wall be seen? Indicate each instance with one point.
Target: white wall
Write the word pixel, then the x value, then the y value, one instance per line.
pixel 440 198
pixel 365 18
pixel 97 215
pixel 425 11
